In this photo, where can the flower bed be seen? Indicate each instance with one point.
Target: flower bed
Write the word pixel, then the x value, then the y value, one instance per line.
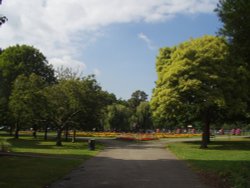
pixel 94 134
pixel 138 136
pixel 153 136
pixel 174 135
pixel 126 136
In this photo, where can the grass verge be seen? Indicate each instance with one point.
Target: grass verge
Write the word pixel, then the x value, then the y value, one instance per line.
pixel 226 163
pixel 42 162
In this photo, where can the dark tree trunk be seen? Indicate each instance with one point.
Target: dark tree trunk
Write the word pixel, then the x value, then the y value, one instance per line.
pixel 17 131
pixel 34 131
pixel 11 130
pixel 59 137
pixel 66 133
pixel 46 132
pixel 74 136
pixel 206 133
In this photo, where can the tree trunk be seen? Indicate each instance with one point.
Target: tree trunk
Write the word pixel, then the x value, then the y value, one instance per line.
pixel 34 131
pixel 206 134
pixel 59 137
pixel 46 132
pixel 74 136
pixel 66 133
pixel 11 130
pixel 17 131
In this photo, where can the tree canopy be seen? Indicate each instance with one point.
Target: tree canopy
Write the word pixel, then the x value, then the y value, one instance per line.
pixel 21 60
pixel 235 17
pixel 234 14
pixel 192 80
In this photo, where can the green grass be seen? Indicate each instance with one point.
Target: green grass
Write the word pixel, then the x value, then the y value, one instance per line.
pixel 225 163
pixel 51 164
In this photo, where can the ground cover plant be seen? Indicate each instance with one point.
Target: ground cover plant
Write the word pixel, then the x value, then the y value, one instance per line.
pixel 225 163
pixel 36 163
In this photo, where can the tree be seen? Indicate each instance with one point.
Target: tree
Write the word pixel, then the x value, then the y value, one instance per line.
pixel 144 116
pixel 194 83
pixel 63 104
pixel 74 102
pixel 117 117
pixel 235 17
pixel 136 98
pixel 20 60
pixel 27 102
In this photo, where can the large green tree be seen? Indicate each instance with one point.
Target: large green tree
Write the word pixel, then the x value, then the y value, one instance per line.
pixel 235 17
pixel 74 102
pixel 20 60
pixel 194 83
pixel 27 102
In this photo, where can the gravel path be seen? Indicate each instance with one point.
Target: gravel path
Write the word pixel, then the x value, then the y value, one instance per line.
pixel 131 165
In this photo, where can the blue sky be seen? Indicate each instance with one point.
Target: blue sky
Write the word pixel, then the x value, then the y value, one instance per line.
pixel 127 63
pixel 115 39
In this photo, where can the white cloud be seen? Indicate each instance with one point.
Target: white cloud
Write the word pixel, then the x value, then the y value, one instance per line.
pixel 97 72
pixel 148 42
pixel 62 28
pixel 68 62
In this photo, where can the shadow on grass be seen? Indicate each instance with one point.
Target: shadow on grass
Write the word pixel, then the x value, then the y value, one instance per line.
pixel 243 145
pixel 47 149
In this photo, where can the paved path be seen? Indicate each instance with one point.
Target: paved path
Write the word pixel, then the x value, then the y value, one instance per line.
pixel 132 165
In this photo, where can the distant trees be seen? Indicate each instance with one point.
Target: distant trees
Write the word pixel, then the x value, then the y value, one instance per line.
pixel 143 116
pixel 32 96
pixel 136 98
pixel 133 114
pixel 117 117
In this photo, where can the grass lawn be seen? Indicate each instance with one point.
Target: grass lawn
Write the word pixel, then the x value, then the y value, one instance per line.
pixel 51 164
pixel 226 163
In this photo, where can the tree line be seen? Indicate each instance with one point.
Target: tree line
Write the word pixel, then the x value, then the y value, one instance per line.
pixel 202 81
pixel 34 95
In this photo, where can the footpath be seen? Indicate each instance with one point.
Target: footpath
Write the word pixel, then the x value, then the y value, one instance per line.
pixel 132 165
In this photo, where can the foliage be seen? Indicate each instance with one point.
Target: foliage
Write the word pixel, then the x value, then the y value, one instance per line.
pixel 20 60
pixel 144 116
pixel 75 102
pixel 136 98
pixel 235 17
pixel 193 82
pixel 27 101
pixel 117 117
pixel 3 19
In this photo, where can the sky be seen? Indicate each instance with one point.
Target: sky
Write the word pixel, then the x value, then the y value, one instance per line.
pixel 117 40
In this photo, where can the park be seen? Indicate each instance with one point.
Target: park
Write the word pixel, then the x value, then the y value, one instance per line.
pixel 120 162
pixel 64 128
